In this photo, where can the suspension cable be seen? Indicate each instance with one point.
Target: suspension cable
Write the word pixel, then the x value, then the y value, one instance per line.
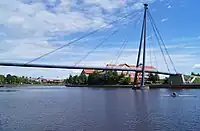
pixel 121 47
pixel 97 46
pixel 152 45
pixel 162 41
pixel 120 53
pixel 101 43
pixel 124 43
pixel 159 43
pixel 73 41
pixel 150 58
pixel 151 48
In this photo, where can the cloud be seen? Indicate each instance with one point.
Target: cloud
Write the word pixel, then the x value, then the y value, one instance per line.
pixel 164 19
pixel 169 6
pixel 196 66
pixel 105 4
pixel 25 49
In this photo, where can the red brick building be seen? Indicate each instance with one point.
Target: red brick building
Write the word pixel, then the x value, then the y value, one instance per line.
pixel 127 73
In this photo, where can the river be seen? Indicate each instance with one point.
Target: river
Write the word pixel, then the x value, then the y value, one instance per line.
pixel 95 109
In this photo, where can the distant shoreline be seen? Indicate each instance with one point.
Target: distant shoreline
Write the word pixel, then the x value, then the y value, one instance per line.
pixel 116 86
pixel 102 86
pixel 156 86
pixel 25 85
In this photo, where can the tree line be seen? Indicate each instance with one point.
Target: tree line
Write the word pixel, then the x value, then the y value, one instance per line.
pixel 96 78
pixel 12 79
pixel 105 78
pixel 195 74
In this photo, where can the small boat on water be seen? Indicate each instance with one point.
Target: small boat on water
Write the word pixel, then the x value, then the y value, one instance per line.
pixel 174 94
pixel 1 86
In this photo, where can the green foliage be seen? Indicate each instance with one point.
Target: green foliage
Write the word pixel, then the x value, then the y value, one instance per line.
pixel 82 79
pixel 9 79
pixel 96 78
pixel 2 79
pixel 197 80
pixel 153 77
pixel 195 74
pixel 166 80
pixel 125 81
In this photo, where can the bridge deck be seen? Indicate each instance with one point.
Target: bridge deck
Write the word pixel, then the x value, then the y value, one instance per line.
pixel 81 67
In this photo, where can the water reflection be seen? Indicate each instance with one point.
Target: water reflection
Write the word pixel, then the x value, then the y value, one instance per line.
pixel 111 110
pixel 99 110
pixel 7 90
pixel 1 125
pixel 140 108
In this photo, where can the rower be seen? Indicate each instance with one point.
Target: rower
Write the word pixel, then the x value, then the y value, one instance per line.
pixel 174 94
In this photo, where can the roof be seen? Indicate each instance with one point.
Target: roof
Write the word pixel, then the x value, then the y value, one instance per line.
pixel 130 66
pixel 110 65
pixel 148 67
pixel 89 71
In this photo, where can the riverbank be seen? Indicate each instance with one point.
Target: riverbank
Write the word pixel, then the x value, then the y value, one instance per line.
pixel 25 85
pixel 180 86
pixel 156 86
pixel 102 86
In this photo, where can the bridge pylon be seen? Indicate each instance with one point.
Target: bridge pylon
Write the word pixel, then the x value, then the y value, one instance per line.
pixel 142 43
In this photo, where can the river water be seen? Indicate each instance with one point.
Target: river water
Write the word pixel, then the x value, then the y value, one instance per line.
pixel 94 109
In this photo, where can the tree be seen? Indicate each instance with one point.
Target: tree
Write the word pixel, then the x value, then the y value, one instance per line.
pixel 70 80
pixel 153 78
pixel 75 80
pixel 14 80
pixel 9 79
pixel 97 78
pixel 125 81
pixel 121 76
pixel 197 80
pixel 83 79
pixel 166 80
pixel 94 79
pixel 2 79
pixel 156 77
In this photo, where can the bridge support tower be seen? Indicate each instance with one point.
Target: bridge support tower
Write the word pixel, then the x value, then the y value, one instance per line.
pixel 142 43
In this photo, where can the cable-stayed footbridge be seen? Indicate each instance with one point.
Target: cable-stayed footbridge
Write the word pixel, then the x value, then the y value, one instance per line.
pixel 142 50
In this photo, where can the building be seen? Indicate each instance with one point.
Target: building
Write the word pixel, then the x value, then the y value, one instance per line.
pixel 126 73
pixel 89 71
pixel 43 80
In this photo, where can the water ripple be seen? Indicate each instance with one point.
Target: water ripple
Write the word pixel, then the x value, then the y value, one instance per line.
pixel 85 109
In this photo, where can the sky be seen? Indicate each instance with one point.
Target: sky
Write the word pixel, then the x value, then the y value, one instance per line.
pixel 31 28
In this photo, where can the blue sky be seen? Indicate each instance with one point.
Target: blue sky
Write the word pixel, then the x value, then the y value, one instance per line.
pixel 30 28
